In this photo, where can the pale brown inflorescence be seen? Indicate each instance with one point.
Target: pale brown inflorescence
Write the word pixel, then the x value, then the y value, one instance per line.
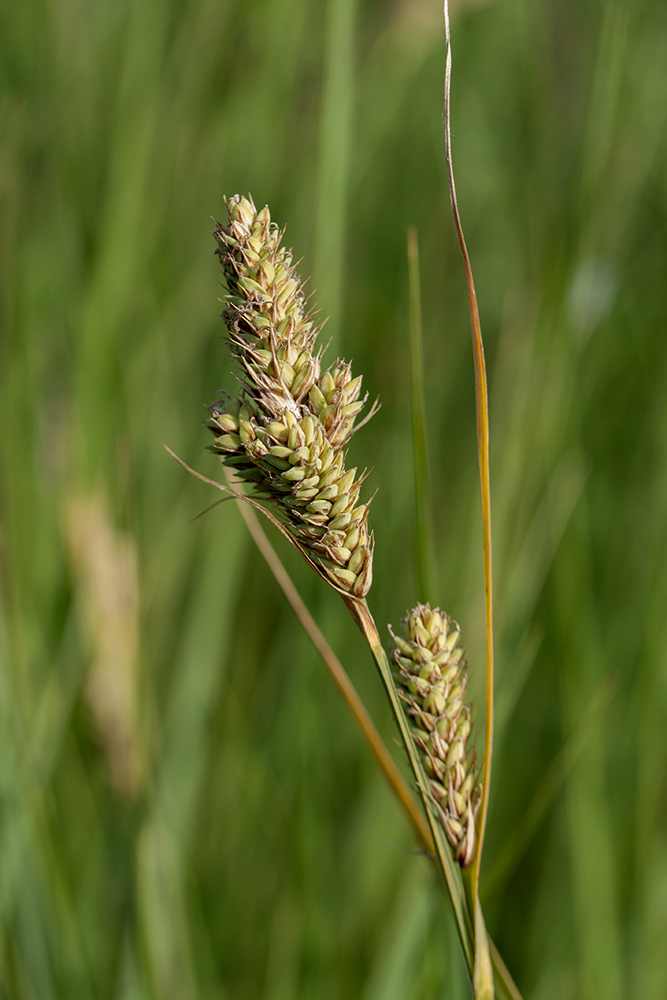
pixel 286 430
pixel 432 676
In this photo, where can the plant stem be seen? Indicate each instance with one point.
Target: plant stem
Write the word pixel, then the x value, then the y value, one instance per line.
pixel 483 980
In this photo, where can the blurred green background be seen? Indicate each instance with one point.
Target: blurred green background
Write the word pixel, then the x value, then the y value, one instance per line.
pixel 187 811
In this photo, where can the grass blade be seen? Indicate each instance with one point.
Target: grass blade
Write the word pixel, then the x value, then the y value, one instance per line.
pixel 483 981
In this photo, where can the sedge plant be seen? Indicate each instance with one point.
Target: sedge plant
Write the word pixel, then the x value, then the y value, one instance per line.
pixel 283 438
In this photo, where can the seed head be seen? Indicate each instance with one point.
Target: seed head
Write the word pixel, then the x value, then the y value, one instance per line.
pixel 285 431
pixel 432 675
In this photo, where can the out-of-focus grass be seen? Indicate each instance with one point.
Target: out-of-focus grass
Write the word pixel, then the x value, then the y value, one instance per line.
pixel 249 849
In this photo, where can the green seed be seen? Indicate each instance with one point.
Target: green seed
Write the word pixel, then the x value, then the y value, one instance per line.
pixel 285 325
pixel 327 385
pixel 352 409
pixel 327 478
pixel 435 702
pixel 419 686
pixel 352 388
pixel 263 218
pixel 300 455
pixel 228 441
pixel 429 672
pixel 403 645
pixel 308 428
pixel 288 289
pixel 346 480
pixel 249 285
pixel 452 639
pixel 443 727
pixel 327 457
pixel 455 754
pixel 352 538
pixel 329 493
pixel 341 505
pixel 434 625
pixel 357 559
pixel 421 634
pixel 344 576
pixel 340 522
pixel 455 826
pixel 454 706
pixel 295 474
pixel 463 728
pixel 277 430
pixel 466 787
pixel 319 507
pixel 317 399
pixel 265 274
pixel 246 432
pixel 227 422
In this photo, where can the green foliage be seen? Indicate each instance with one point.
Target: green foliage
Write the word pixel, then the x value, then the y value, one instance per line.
pixel 187 811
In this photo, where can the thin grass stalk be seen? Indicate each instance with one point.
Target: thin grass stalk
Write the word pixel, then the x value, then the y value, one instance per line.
pixel 483 977
pixel 482 408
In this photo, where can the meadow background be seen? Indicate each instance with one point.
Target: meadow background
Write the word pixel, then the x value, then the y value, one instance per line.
pixel 186 809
